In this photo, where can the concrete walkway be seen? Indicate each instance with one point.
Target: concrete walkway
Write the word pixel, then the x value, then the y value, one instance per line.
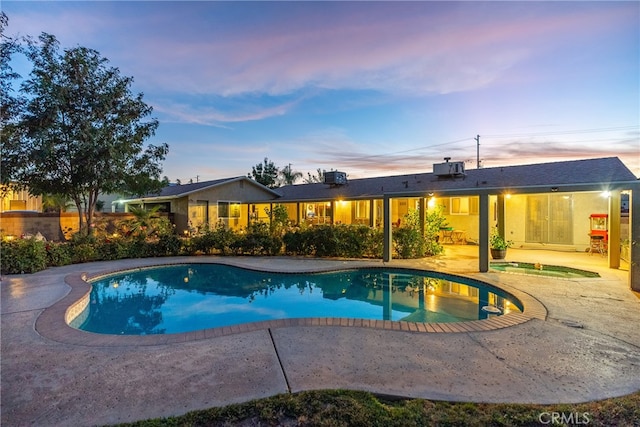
pixel 587 347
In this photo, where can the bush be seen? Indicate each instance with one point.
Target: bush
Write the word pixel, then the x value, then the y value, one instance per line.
pixel 58 254
pixel 257 240
pixel 324 241
pixel 84 252
pixel 23 256
pixel 112 249
pixel 408 243
pixel 350 241
pixel 169 245
pixel 298 242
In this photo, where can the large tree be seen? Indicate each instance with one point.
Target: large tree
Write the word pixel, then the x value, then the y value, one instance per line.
pixel 265 173
pixel 83 131
pixel 11 104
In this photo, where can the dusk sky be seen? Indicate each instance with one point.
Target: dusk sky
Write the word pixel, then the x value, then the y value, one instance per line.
pixel 371 89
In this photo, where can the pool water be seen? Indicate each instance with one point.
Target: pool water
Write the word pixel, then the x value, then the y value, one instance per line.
pixel 182 298
pixel 543 270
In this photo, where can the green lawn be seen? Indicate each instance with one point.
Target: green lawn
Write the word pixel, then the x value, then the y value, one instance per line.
pixel 351 408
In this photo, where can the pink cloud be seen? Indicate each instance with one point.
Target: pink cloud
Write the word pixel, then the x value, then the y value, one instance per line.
pixel 397 53
pixel 417 48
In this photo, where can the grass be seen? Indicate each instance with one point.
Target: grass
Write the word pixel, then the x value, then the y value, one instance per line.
pixel 354 408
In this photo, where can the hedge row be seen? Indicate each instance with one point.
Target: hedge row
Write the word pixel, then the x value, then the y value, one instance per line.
pixel 31 255
pixel 351 241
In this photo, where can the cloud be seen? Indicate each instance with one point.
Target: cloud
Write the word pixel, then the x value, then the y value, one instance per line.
pixel 232 49
pixel 415 49
pixel 195 113
pixel 352 158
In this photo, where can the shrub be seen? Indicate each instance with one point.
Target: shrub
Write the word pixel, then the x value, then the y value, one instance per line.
pixel 434 221
pixel 58 254
pixel 23 256
pixel 257 240
pixel 84 252
pixel 375 243
pixel 408 242
pixel 169 245
pixel 298 242
pixel 324 240
pixel 352 241
pixel 223 238
pixel 112 249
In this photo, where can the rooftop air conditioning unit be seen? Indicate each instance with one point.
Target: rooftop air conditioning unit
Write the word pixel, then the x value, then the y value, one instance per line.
pixel 448 168
pixel 335 178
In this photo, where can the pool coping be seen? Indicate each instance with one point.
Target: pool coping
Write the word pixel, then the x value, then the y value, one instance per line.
pixel 52 323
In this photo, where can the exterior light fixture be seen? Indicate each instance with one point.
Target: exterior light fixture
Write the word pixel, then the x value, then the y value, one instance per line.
pixel 554 189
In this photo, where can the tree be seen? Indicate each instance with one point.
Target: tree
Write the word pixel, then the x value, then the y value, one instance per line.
pixel 265 173
pixel 319 177
pixel 55 203
pixel 11 105
pixel 289 176
pixel 82 131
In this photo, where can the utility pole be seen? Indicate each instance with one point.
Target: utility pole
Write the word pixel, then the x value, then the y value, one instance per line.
pixel 477 138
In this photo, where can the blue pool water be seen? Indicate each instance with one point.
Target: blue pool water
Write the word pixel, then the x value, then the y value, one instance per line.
pixel 181 298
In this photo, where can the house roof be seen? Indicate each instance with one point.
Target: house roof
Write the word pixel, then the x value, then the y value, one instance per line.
pixel 181 190
pixel 577 173
pixel 588 174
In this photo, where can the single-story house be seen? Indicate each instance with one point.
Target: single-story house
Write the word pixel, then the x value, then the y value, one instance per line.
pixel 191 206
pixel 548 204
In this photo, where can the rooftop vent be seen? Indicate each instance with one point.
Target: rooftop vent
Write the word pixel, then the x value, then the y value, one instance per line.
pixel 335 178
pixel 448 168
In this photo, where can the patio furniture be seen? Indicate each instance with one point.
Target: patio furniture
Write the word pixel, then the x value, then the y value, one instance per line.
pixel 597 244
pixel 447 234
pixel 459 237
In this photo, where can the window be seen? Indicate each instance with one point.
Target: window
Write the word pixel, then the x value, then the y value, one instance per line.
pixel 228 209
pixel 362 209
pixel 549 219
pixel 464 205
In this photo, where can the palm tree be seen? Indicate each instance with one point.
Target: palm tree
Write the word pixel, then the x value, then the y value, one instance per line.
pixel 55 203
pixel 144 220
pixel 289 176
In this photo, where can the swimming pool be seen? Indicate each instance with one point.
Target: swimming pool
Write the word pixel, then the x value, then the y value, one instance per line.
pixel 190 297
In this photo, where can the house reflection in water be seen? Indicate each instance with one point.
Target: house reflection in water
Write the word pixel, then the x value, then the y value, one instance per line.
pixel 413 298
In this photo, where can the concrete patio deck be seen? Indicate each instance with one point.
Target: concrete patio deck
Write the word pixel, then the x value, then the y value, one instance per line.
pixel 586 348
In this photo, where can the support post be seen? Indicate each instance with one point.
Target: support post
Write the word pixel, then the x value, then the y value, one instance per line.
pixel 423 215
pixel 483 238
pixel 614 230
pixel 634 239
pixel 372 221
pixel 387 247
pixel 500 214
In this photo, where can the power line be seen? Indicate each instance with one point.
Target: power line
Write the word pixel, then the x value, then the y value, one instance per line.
pixel 514 135
pixel 414 149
